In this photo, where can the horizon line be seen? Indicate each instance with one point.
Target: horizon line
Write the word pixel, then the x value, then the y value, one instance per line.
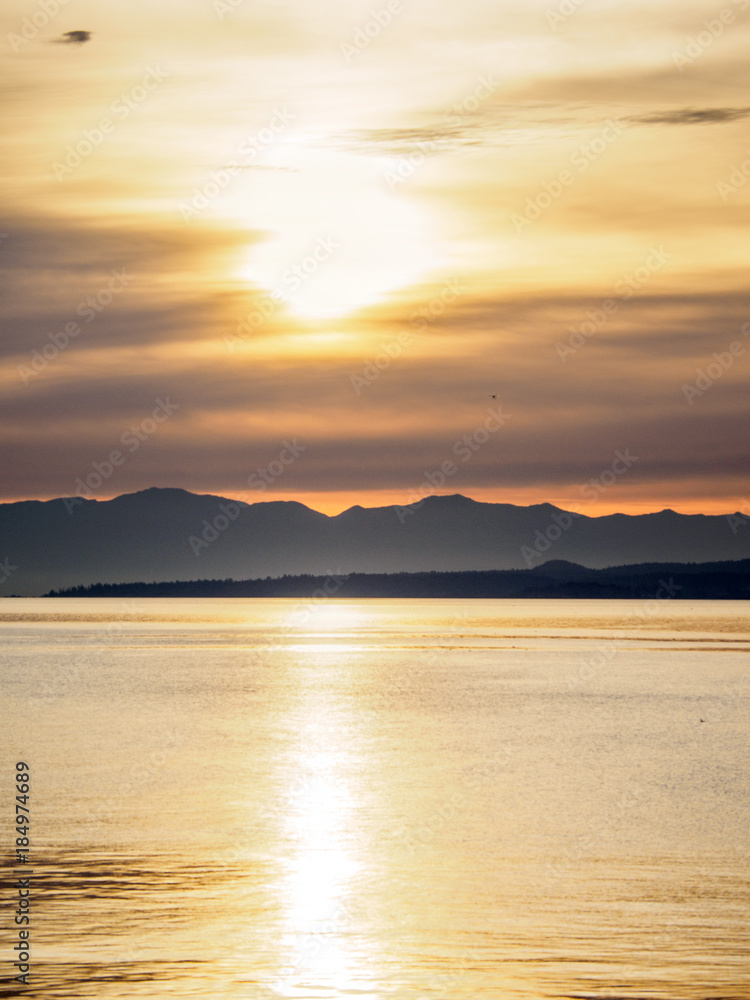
pixel 572 507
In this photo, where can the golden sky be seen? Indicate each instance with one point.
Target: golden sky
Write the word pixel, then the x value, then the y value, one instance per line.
pixel 317 239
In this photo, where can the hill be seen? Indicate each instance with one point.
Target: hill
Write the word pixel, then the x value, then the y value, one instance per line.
pixel 556 579
pixel 170 534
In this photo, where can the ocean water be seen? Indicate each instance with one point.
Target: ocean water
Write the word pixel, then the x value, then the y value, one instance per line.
pixel 395 800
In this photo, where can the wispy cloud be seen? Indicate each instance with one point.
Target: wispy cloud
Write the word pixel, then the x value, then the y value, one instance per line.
pixel 693 116
pixel 74 37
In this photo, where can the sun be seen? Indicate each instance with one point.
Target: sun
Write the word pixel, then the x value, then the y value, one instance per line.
pixel 338 239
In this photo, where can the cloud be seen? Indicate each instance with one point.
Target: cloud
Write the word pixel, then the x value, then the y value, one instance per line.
pixel 566 420
pixel 415 89
pixel 75 37
pixel 500 124
pixel 51 267
pixel 693 116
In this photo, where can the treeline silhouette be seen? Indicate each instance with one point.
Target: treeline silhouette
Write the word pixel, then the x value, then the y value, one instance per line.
pixel 558 579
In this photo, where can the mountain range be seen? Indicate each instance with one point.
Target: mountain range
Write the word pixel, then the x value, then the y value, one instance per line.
pixel 173 535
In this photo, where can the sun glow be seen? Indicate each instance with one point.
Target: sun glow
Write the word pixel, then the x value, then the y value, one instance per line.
pixel 338 238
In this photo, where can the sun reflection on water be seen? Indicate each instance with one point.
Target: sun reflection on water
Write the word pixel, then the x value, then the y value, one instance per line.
pixel 327 616
pixel 316 891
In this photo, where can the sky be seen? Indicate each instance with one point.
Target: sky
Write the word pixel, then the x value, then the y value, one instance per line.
pixel 356 252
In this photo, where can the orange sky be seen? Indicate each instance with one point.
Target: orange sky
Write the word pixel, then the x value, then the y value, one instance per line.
pixel 318 243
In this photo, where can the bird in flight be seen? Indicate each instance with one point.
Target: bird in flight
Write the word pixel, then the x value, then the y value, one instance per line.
pixel 75 37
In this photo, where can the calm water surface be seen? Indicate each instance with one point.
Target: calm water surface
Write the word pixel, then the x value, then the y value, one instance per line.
pixel 380 799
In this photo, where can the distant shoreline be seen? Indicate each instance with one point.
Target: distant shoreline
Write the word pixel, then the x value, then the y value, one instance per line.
pixel 558 579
